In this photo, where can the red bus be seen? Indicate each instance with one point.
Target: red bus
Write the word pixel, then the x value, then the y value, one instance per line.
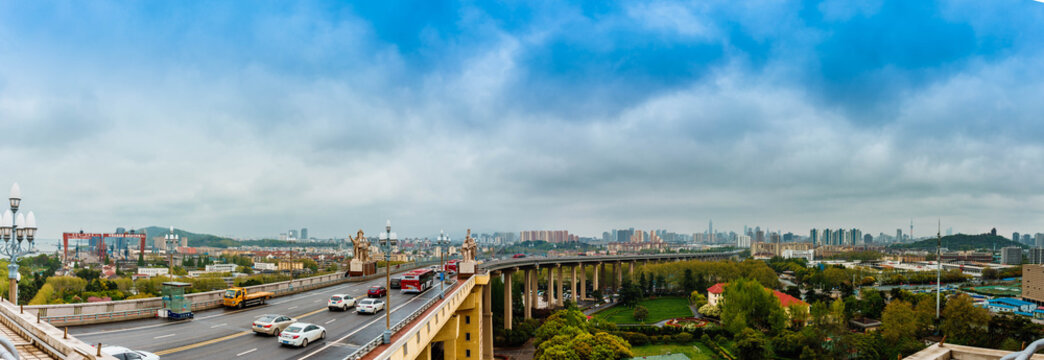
pixel 451 265
pixel 417 281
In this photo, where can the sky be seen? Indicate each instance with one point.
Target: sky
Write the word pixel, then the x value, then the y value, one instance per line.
pixel 247 118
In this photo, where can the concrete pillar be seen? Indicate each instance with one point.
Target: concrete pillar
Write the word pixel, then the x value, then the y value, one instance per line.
pixel 527 285
pixel 550 288
pixel 630 270
pixel 615 278
pixel 487 322
pixel 583 282
pixel 558 287
pixel 509 285
pixel 572 288
pixel 598 268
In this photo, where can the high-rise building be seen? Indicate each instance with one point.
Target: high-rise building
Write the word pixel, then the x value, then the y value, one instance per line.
pixel 1036 256
pixel 1027 239
pixel 1011 255
pixel 899 235
pixel 292 234
pixel 1040 239
pixel 304 233
pixel 812 236
pixel 1015 237
pixel 551 236
pixel 759 236
pixel 868 239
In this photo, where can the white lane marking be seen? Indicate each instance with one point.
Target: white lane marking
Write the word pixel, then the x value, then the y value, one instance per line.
pixel 292 307
pixel 218 325
pixel 246 352
pixel 335 288
pixel 163 336
pixel 361 328
pixel 330 321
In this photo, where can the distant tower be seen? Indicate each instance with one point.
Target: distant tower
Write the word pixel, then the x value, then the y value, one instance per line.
pixel 911 230
pixel 710 230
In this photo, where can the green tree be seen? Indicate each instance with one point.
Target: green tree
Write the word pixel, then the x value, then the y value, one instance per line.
pixel 746 304
pixel 563 322
pixel 697 299
pixel 899 321
pixel 750 345
pixel 872 303
pixel 962 321
pixel 630 294
pixel 640 313
pixel 688 282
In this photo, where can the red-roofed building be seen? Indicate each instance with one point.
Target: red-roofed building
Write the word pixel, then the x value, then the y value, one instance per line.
pixel 715 292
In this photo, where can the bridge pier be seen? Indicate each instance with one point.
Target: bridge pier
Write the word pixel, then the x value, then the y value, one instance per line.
pixel 487 322
pixel 509 287
pixel 597 266
pixel 527 291
pixel 630 270
pixel 583 282
pixel 572 284
pixel 550 288
pixel 619 275
pixel 559 287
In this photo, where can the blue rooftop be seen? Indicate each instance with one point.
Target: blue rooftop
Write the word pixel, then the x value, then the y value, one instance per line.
pixel 1012 302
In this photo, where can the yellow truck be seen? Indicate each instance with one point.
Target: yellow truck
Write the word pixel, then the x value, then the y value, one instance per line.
pixel 237 297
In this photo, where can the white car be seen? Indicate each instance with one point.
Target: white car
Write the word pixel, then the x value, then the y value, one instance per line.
pixel 341 302
pixel 123 353
pixel 368 305
pixel 300 334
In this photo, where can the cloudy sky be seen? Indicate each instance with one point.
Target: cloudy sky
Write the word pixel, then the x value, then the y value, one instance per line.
pixel 249 118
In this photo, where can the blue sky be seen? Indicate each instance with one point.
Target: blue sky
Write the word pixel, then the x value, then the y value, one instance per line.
pixel 248 118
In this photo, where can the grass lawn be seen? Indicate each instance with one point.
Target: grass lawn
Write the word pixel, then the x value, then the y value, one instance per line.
pixel 660 309
pixel 695 351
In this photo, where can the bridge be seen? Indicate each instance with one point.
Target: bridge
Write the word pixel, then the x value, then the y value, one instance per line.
pixel 456 323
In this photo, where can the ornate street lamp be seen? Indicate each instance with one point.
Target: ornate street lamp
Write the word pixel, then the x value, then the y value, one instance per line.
pixel 19 227
pixel 387 240
pixel 442 241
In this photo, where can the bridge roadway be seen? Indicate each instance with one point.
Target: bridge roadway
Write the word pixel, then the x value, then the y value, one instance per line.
pixel 226 334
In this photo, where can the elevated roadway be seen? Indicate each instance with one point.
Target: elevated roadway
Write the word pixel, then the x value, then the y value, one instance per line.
pixel 226 334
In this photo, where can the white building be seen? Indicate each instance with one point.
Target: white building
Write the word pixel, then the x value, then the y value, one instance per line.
pixel 150 272
pixel 743 241
pixel 221 268
pixel 261 266
pixel 804 254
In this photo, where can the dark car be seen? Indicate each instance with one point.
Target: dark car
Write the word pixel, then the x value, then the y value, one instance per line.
pixel 396 282
pixel 376 291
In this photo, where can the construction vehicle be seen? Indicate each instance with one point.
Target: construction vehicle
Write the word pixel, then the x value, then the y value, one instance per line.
pixel 237 297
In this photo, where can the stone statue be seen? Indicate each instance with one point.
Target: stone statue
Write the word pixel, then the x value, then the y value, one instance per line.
pixel 360 247
pixel 469 250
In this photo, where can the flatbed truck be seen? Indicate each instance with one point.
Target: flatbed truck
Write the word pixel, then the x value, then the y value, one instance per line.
pixel 237 297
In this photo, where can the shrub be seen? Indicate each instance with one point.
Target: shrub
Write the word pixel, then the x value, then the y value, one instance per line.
pixel 682 338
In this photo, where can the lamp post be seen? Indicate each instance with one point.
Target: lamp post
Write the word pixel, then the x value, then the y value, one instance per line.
pixel 172 241
pixel 387 240
pixel 441 242
pixel 20 228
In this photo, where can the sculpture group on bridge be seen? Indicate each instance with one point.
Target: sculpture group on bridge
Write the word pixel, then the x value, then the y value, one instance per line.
pixel 469 249
pixel 361 264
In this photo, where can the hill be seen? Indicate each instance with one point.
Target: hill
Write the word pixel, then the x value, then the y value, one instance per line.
pixel 195 239
pixel 962 242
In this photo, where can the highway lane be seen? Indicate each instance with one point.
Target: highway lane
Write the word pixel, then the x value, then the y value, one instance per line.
pixel 221 331
pixel 345 333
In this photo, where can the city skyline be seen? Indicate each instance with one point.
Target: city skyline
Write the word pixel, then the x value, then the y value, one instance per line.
pixel 250 119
